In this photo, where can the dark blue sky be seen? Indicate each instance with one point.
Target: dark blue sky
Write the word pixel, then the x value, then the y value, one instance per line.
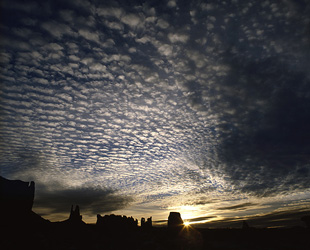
pixel 148 106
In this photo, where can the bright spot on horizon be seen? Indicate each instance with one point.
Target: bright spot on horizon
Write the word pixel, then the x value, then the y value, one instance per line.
pixel 186 223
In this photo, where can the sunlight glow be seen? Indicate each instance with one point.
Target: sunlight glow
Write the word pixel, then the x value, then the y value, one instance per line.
pixel 186 211
pixel 186 223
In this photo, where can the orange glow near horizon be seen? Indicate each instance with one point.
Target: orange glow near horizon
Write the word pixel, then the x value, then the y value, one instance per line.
pixel 186 223
pixel 186 211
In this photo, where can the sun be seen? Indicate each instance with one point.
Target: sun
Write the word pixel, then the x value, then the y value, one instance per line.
pixel 186 223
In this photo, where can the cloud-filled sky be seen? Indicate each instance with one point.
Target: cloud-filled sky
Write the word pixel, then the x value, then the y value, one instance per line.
pixel 144 107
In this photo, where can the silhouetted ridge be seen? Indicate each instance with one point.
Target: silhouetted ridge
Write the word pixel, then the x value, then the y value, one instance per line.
pixel 75 218
pixel 16 194
pixel 146 224
pixel 175 220
pixel 116 222
pixel 16 199
pixel 175 223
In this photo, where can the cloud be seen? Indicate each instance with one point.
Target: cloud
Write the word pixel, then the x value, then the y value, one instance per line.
pixel 279 219
pixel 57 29
pixel 165 50
pixel 162 24
pixel 131 19
pixel 110 11
pixel 171 3
pixel 174 37
pixel 89 35
pixel 91 199
pixel 114 25
pixel 148 101
pixel 269 120
pixel 237 207
pixel 198 219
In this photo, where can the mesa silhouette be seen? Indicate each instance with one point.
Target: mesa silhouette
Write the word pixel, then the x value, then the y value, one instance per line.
pixel 22 228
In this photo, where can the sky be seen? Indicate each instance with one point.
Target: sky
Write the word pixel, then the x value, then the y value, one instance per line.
pixel 146 107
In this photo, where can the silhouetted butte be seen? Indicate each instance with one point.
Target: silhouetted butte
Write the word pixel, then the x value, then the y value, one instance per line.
pixel 16 199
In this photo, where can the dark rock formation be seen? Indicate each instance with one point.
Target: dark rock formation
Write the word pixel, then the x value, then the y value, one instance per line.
pixel 142 222
pixel 16 199
pixel 16 195
pixel 146 224
pixel 75 214
pixel 149 222
pixel 175 224
pixel 75 218
pixel 175 220
pixel 116 222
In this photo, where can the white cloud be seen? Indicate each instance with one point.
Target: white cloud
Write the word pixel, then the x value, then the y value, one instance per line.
pixel 151 19
pixel 114 25
pixel 90 35
pixel 5 57
pixel 109 43
pixel 132 50
pixel 98 67
pixel 87 61
pixel 132 20
pixel 172 3
pixel 162 24
pixel 74 58
pixel 143 40
pixel 41 80
pixel 165 50
pixel 110 12
pixel 53 46
pixel 178 37
pixel 199 58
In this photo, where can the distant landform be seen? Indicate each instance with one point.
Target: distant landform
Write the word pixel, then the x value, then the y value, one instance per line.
pixel 22 228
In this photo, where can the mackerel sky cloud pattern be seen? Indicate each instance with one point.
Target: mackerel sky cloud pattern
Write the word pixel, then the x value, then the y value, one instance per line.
pixel 157 104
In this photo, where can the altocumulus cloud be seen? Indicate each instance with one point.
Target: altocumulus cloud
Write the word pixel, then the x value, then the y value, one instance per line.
pixel 156 103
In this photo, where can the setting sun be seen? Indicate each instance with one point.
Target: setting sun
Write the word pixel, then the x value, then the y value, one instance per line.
pixel 186 223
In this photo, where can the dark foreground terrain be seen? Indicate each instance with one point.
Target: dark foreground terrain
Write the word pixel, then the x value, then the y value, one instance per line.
pixel 61 236
pixel 21 228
